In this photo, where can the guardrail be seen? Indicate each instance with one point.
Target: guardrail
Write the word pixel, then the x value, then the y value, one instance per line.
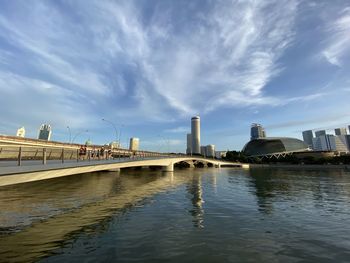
pixel 62 154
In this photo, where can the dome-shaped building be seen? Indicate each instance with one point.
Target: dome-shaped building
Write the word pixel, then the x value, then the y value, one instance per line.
pixel 270 146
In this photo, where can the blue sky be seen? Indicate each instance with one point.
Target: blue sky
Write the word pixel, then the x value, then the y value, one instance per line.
pixel 148 66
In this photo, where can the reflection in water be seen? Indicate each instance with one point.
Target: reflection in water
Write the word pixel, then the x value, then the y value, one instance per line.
pixel 259 215
pixel 42 199
pixel 194 188
pixel 264 189
pixel 273 185
pixel 91 204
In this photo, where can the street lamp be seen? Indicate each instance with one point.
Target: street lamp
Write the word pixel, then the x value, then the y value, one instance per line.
pixel 70 133
pixel 79 134
pixel 120 134
pixel 115 129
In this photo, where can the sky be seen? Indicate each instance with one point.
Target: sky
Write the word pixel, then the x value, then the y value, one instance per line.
pixel 148 66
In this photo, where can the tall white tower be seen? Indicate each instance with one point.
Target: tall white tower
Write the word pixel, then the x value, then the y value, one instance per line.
pixel 196 135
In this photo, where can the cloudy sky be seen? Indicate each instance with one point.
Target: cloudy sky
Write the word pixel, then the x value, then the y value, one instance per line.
pixel 148 66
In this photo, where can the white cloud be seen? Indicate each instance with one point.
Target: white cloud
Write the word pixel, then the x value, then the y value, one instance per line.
pixel 338 43
pixel 111 54
pixel 226 59
pixel 30 102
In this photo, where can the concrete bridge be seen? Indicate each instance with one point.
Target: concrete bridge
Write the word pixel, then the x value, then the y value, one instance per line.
pixel 26 160
pixel 29 172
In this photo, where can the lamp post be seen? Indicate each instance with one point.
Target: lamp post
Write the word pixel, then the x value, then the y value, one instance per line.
pixel 70 133
pixel 120 134
pixel 115 130
pixel 75 136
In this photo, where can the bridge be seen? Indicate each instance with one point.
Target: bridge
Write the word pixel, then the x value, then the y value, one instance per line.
pixel 21 163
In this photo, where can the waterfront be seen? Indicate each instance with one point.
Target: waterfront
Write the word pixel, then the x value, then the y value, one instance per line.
pixel 191 215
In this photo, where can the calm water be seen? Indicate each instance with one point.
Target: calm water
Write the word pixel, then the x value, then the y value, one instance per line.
pixel 193 215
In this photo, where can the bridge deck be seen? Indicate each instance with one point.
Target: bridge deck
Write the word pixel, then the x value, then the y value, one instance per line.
pixel 10 167
pixel 34 172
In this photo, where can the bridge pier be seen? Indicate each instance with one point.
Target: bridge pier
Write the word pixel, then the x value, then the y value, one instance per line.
pixel 114 170
pixel 169 168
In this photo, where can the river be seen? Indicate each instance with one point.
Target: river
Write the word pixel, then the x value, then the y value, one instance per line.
pixel 191 215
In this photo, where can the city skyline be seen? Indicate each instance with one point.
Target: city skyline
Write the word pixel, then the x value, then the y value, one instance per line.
pixel 284 64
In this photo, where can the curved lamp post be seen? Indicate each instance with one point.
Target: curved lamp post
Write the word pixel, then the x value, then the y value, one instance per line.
pixel 70 133
pixel 115 130
pixel 120 134
pixel 79 134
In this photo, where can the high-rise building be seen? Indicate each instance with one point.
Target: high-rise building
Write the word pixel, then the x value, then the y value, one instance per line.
pixel 189 143
pixel 45 132
pixel 324 143
pixel 134 144
pixel 21 132
pixel 342 143
pixel 204 150
pixel 340 131
pixel 196 135
pixel 257 131
pixel 330 142
pixel 210 150
pixel 320 133
pixel 307 137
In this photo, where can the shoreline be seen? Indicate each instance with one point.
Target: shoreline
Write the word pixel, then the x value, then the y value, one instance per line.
pixel 302 166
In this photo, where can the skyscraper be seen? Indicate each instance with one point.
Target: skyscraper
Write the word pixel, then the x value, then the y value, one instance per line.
pixel 21 132
pixel 320 133
pixel 196 135
pixel 189 143
pixel 307 137
pixel 134 144
pixel 340 131
pixel 257 131
pixel 45 132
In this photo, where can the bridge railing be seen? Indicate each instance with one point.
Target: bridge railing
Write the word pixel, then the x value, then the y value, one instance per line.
pixel 17 154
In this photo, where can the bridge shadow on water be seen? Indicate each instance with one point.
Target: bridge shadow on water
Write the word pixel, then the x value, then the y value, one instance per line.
pixel 44 215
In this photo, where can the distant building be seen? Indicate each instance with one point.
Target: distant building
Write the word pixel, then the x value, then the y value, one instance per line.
pixel 210 150
pixel 345 142
pixel 220 154
pixel 257 132
pixel 320 133
pixel 114 145
pixel 134 144
pixel 21 132
pixel 204 150
pixel 324 142
pixel 307 137
pixel 340 131
pixel 45 132
pixel 341 143
pixel 189 143
pixel 196 135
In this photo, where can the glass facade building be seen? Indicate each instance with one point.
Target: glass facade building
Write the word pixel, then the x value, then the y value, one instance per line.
pixel 257 131
pixel 268 146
